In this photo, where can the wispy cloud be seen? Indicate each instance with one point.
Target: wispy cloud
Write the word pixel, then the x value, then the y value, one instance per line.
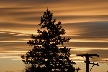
pixel 85 21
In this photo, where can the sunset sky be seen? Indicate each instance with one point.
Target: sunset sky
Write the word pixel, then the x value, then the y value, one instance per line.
pixel 85 21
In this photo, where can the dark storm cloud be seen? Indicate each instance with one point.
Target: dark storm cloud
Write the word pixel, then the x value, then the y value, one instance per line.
pixel 96 29
pixel 102 53
pixel 61 18
pixel 88 44
pixel 33 18
pixel 52 1
pixel 82 17
pixel 21 14
pixel 89 29
pixel 12 36
pixel 13 41
pixel 85 30
pixel 29 2
pixel 26 13
pixel 14 46
pixel 16 26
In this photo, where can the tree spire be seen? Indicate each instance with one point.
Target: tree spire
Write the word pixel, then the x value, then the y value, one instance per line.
pixel 45 54
pixel 47 8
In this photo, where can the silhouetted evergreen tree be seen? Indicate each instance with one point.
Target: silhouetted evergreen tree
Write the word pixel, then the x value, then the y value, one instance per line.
pixel 46 55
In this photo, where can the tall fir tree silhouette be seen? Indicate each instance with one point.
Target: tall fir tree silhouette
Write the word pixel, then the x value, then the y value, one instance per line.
pixel 46 55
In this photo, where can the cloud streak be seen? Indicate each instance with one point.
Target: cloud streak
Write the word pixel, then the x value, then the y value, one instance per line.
pixel 85 21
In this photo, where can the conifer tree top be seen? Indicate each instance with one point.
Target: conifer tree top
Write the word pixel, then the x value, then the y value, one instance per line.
pixel 46 55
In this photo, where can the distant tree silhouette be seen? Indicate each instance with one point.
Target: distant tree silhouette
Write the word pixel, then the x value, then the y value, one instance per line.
pixel 46 56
